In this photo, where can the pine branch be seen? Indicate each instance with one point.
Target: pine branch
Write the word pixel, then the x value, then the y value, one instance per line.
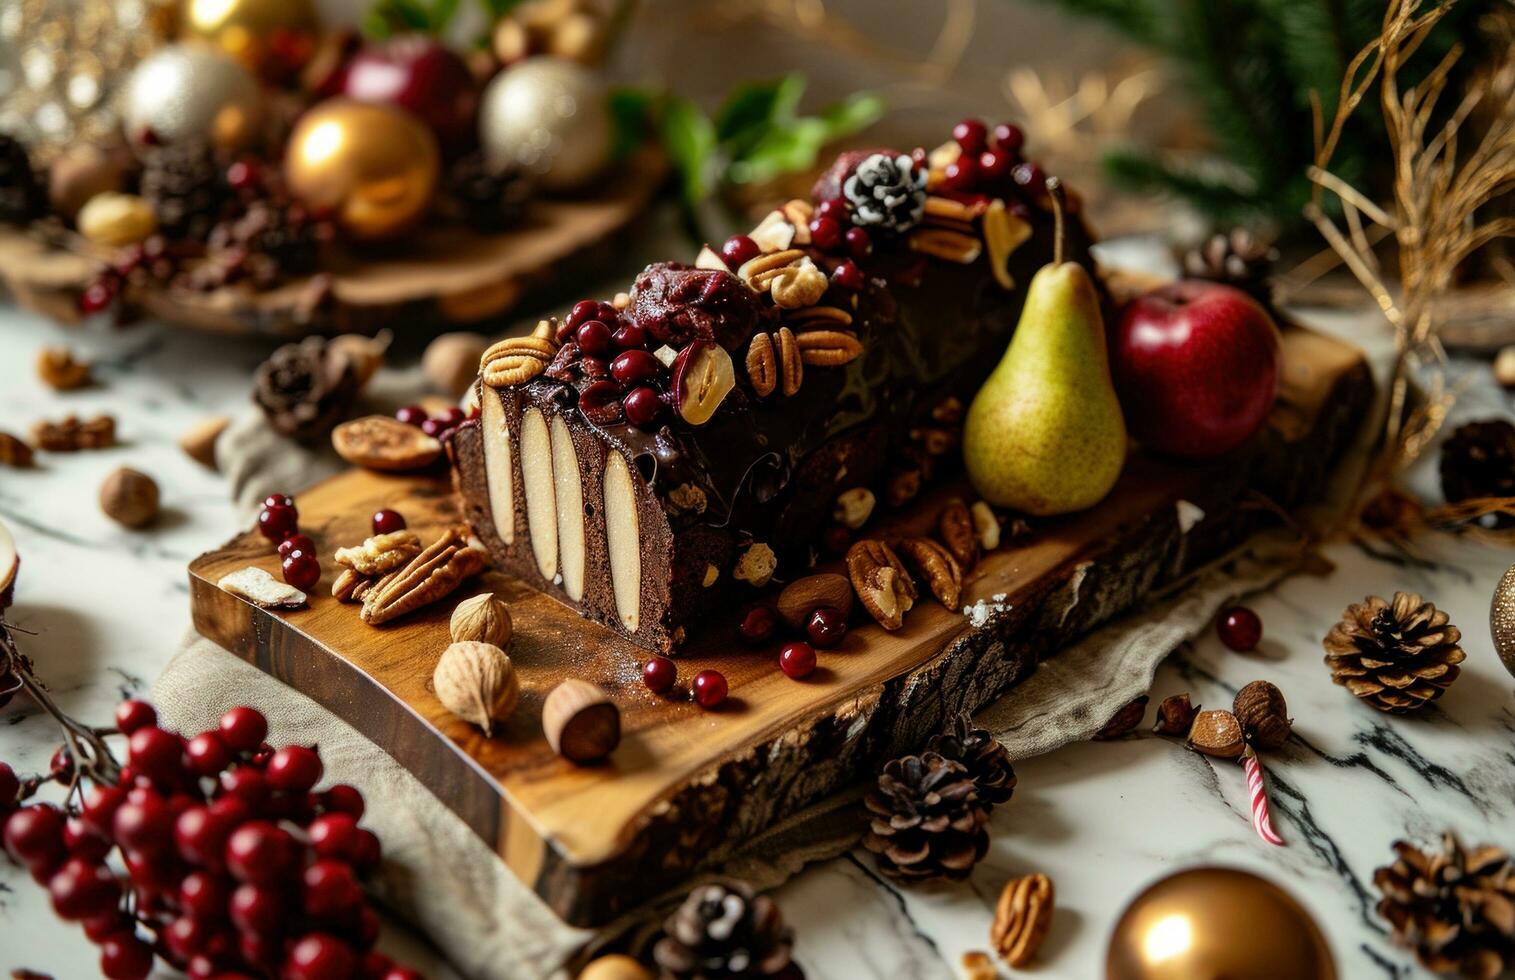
pixel 1134 18
pixel 1138 169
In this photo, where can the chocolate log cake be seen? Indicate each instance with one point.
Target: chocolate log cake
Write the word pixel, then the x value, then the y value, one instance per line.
pixel 652 459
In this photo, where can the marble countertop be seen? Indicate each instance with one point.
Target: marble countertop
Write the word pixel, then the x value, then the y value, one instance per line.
pixel 107 607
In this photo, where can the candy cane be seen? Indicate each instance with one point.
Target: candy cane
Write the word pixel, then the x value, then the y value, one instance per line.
pixel 1262 818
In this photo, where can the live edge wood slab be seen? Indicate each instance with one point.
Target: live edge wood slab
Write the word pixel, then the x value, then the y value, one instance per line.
pixel 688 786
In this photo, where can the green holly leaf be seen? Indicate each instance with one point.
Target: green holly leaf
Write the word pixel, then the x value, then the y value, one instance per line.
pixel 755 108
pixel 688 136
pixel 631 112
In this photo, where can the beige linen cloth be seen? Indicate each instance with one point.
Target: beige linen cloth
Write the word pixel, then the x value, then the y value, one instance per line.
pixel 442 878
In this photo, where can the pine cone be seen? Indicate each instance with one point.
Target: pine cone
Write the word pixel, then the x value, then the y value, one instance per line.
pixel 305 389
pixel 22 198
pixel 1394 655
pixel 487 197
pixel 981 754
pixel 887 192
pixel 725 929
pixel 1478 460
pixel 271 242
pixel 928 821
pixel 1238 259
pixel 187 189
pixel 1454 909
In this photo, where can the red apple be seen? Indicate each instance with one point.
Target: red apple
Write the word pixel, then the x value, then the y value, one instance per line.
pixel 422 75
pixel 1196 365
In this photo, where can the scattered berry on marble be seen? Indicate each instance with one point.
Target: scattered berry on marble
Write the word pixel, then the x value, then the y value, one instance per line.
pixel 1239 628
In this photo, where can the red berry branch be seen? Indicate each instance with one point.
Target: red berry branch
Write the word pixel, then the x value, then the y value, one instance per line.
pixel 215 853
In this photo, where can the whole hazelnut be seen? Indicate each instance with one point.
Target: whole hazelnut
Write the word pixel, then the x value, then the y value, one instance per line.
pixel 129 498
pixel 482 619
pixel 1263 714
pixel 451 362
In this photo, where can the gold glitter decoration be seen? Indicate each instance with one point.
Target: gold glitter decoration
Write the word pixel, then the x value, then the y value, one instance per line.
pixel 1502 619
pixel 61 62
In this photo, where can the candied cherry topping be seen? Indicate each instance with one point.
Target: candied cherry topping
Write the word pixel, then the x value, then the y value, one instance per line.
pixel 630 337
pixel 738 250
pixel 593 338
pixel 632 367
pixel 971 135
pixel 411 415
pixel 859 245
pixel 600 401
pixel 848 276
pixel 825 233
pixel 642 405
pixel 1009 138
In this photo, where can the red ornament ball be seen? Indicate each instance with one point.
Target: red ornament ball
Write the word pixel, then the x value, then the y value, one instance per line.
pixel 1239 628
pixel 797 660
pixel 709 688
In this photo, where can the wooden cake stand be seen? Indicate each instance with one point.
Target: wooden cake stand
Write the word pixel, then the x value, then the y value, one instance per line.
pixel 439 277
pixel 687 786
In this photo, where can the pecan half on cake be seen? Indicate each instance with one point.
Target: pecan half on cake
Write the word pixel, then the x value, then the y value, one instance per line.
pixel 649 460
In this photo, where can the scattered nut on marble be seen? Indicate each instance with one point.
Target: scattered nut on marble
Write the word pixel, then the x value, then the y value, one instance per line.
pixel 130 498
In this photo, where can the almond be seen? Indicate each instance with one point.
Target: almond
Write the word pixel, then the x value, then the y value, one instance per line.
pixel 804 596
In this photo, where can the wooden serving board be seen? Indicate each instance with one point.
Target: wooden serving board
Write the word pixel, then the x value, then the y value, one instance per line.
pixel 437 277
pixel 688 786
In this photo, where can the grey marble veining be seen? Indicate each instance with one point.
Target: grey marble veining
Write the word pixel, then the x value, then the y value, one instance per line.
pixel 1102 819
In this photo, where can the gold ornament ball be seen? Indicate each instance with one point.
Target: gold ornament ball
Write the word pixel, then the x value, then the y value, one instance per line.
pixel 371 167
pixel 188 92
pixel 269 37
pixel 1217 922
pixel 1502 619
pixel 551 118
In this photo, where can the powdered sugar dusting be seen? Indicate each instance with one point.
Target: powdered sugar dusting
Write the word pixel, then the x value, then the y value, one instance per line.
pixel 978 614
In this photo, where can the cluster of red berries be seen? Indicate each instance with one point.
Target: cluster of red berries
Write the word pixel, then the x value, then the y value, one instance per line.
pixel 234 866
pixel 613 355
pixel 151 259
pixel 828 233
pixel 440 426
pixel 991 162
pixel 825 627
pixel 708 687
pixel 279 522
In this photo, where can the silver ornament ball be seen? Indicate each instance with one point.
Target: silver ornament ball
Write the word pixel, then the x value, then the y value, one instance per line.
pixel 188 92
pixel 549 117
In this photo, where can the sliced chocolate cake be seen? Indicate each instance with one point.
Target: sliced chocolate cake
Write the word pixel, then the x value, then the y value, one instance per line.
pixel 653 459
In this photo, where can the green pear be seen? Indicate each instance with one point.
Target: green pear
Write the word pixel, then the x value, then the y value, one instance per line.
pixel 1045 433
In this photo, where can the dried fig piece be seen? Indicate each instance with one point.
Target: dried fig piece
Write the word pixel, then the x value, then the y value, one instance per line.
pixel 378 442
